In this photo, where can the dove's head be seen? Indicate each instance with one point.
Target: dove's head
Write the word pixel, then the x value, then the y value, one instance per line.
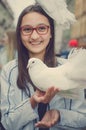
pixel 35 64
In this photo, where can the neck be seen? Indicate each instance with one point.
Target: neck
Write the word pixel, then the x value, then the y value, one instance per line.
pixel 39 56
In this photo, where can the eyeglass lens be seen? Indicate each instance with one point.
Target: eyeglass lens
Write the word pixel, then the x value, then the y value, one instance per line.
pixel 28 30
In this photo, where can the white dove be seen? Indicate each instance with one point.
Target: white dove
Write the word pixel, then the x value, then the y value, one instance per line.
pixel 70 75
pixel 57 9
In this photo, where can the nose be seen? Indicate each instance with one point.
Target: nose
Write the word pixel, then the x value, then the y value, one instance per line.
pixel 34 35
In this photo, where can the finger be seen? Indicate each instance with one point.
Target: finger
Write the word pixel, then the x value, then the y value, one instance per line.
pixel 53 122
pixel 39 93
pixel 49 92
pixel 40 124
pixel 50 89
pixel 56 89
pixel 38 99
pixel 45 124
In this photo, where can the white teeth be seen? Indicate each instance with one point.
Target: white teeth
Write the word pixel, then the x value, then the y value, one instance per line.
pixel 35 43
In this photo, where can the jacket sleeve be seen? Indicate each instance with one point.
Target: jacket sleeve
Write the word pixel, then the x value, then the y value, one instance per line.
pixel 72 112
pixel 14 115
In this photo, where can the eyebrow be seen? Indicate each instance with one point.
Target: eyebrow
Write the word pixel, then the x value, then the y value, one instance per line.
pixel 36 25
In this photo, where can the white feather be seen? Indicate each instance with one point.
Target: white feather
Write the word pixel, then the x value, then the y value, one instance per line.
pixel 70 75
pixel 57 9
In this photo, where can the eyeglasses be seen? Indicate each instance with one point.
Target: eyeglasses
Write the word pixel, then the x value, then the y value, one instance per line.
pixel 40 29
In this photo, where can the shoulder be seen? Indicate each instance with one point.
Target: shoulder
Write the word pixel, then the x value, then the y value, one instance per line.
pixel 11 65
pixel 11 68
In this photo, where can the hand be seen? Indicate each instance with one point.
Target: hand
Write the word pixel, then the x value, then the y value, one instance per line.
pixel 50 118
pixel 45 97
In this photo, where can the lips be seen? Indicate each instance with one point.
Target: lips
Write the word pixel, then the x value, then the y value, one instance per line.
pixel 36 43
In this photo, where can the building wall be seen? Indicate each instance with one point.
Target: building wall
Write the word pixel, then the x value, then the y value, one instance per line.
pixel 6 17
pixel 78 30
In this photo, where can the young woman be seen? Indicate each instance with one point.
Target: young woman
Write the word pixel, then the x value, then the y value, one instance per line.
pixel 23 106
pixel 8 52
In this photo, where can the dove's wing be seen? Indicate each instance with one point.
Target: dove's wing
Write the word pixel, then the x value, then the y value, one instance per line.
pixel 78 65
pixel 71 74
pixel 57 77
pixel 72 94
pixel 58 11
pixel 49 77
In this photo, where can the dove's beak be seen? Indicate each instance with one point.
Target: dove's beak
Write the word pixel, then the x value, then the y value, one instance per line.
pixel 27 66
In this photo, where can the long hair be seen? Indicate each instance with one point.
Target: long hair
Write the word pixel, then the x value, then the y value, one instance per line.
pixel 23 57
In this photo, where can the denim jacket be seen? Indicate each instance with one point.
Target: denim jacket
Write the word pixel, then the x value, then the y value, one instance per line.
pixel 17 113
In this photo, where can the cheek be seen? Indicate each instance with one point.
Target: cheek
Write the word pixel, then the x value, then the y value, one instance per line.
pixel 24 41
pixel 47 38
pixel 24 38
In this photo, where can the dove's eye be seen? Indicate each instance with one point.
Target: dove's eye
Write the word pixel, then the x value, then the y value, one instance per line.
pixel 33 62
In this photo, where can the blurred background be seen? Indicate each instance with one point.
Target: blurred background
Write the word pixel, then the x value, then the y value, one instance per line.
pixel 10 10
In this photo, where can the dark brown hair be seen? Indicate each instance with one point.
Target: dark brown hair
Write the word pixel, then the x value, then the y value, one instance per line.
pixel 23 56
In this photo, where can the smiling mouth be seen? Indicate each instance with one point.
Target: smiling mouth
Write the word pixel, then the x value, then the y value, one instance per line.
pixel 36 43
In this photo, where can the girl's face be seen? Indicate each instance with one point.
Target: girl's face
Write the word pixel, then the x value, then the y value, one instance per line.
pixel 35 33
